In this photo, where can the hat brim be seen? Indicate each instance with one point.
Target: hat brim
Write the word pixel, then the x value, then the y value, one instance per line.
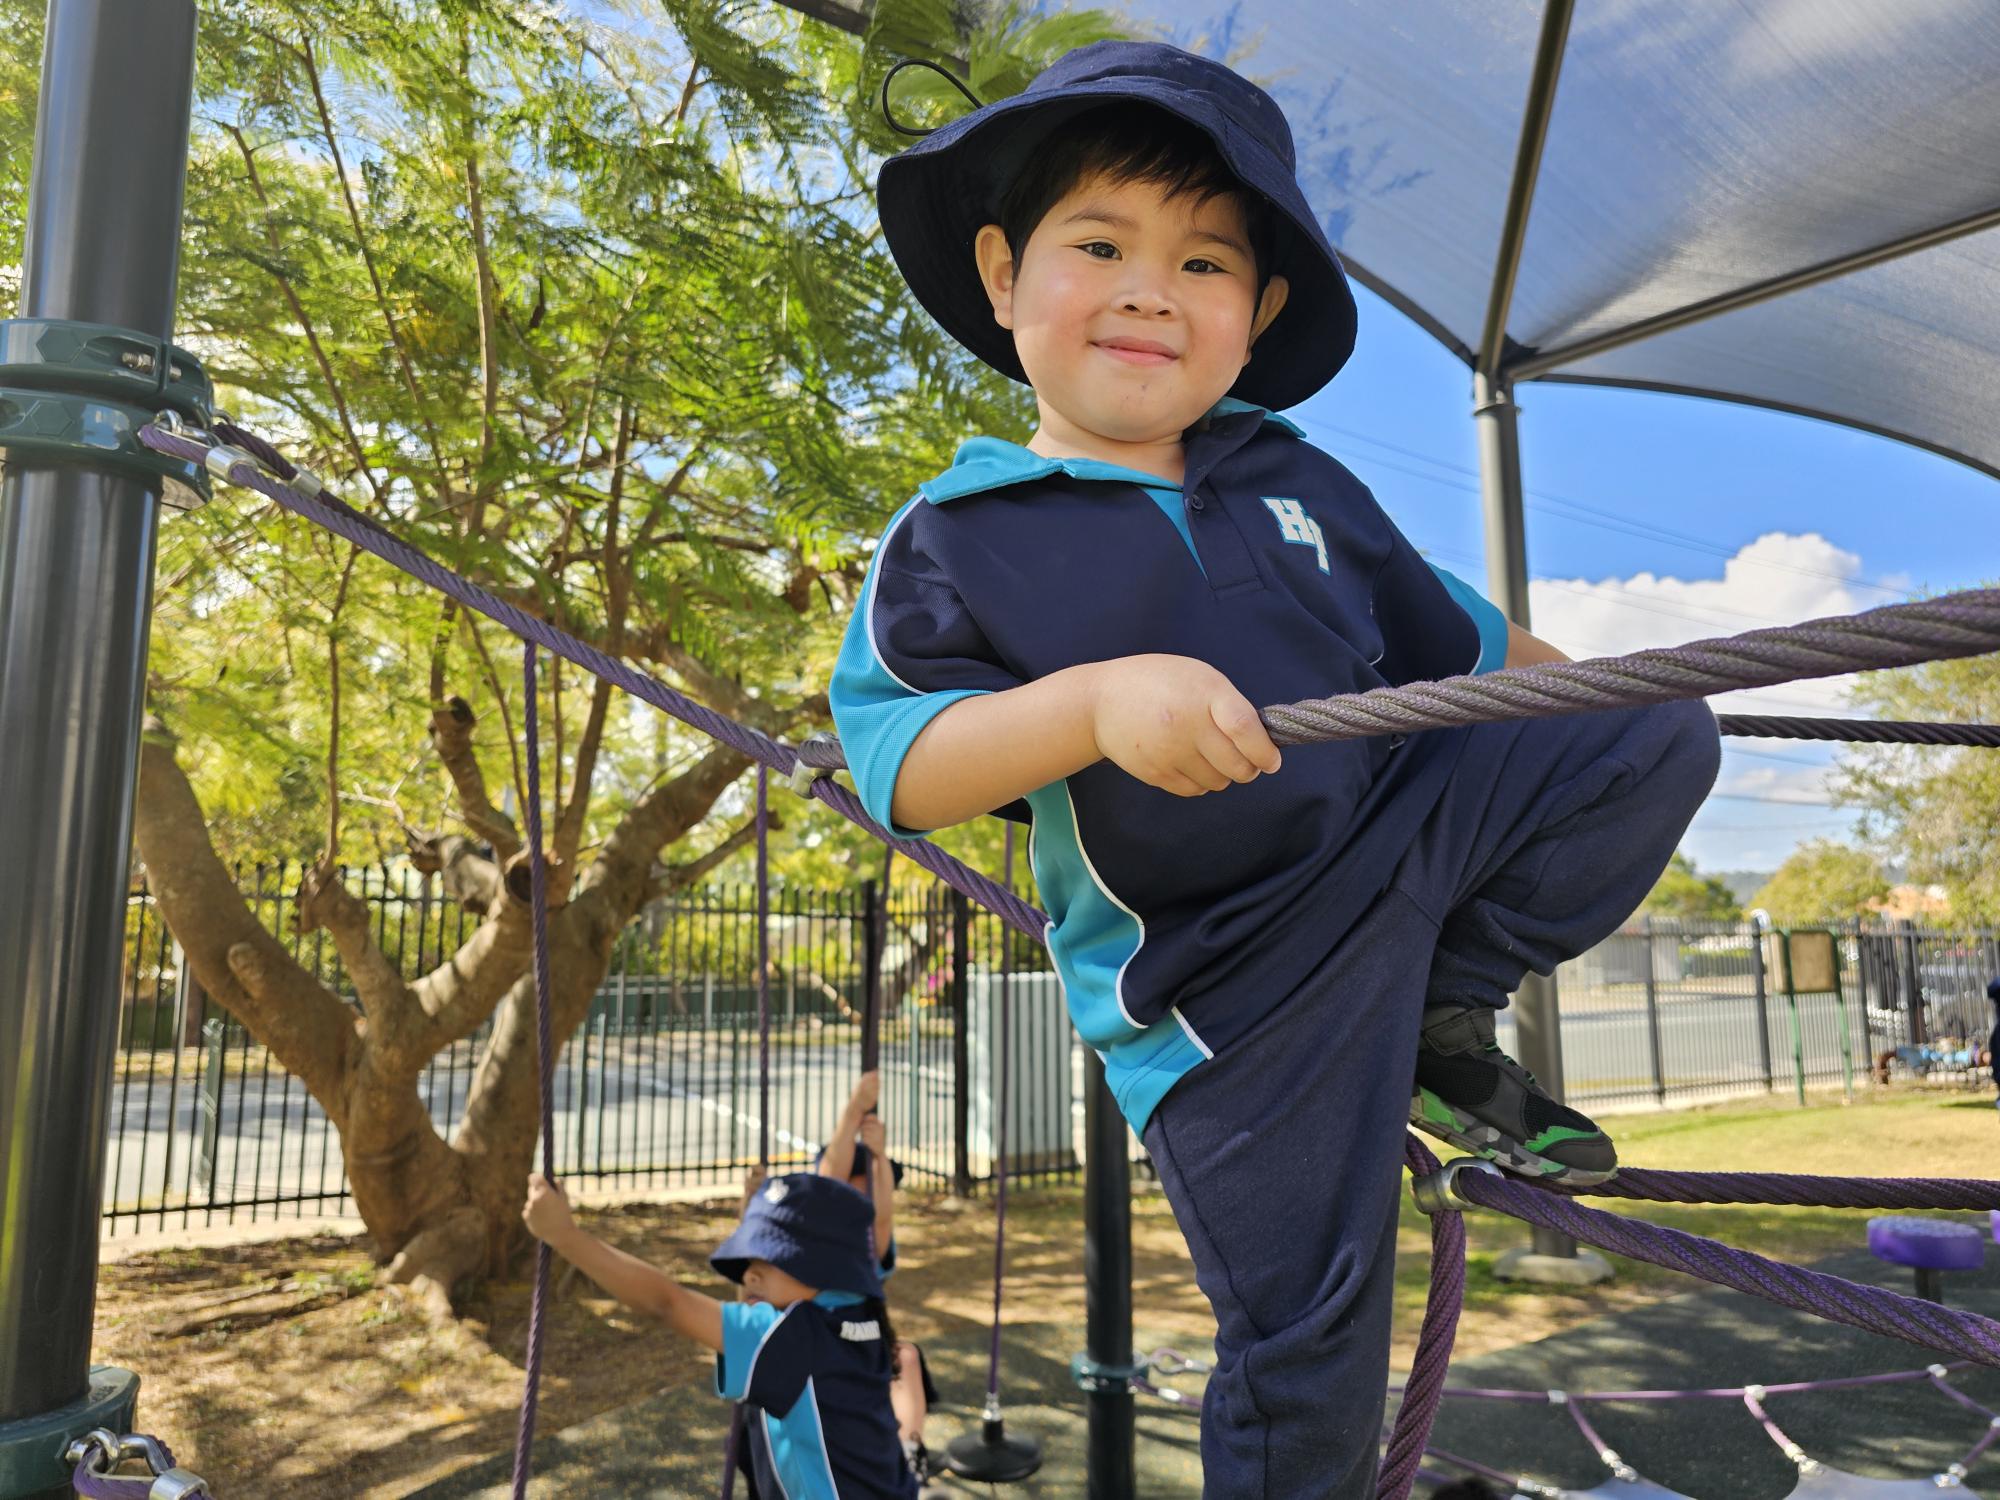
pixel 934 197
pixel 746 1243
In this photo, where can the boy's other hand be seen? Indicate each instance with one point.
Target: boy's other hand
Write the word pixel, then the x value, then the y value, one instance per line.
pixel 1178 724
pixel 753 1178
pixel 546 1212
pixel 867 1092
pixel 875 1136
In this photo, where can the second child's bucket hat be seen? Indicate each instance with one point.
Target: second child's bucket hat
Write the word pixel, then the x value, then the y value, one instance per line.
pixel 812 1227
pixel 934 197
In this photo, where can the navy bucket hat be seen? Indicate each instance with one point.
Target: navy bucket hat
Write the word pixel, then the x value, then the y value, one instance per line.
pixel 934 197
pixel 808 1226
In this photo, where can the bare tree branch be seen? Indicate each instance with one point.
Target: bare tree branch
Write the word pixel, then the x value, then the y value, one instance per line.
pixel 451 735
pixel 237 961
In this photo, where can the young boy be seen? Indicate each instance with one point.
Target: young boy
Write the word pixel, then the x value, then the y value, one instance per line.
pixel 806 1352
pixel 1253 943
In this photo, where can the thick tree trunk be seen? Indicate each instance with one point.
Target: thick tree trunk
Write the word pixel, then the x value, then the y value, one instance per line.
pixel 438 1210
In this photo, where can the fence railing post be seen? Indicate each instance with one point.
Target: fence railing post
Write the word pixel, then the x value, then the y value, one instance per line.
pixel 872 942
pixel 1861 984
pixel 1653 1015
pixel 208 1103
pixel 961 1047
pixel 1763 997
pixel 1913 986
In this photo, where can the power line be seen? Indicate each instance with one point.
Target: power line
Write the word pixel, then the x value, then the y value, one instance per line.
pixel 1558 507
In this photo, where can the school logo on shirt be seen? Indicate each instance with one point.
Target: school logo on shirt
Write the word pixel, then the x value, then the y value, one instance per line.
pixel 861 1333
pixel 1295 526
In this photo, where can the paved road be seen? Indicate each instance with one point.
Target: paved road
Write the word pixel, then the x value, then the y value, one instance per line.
pixel 643 1104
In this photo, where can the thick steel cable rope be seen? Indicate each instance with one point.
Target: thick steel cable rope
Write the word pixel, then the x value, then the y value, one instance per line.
pixel 538 893
pixel 1860 731
pixel 1946 1329
pixel 1895 635
pixel 1411 1434
pixel 344 521
pixel 734 1437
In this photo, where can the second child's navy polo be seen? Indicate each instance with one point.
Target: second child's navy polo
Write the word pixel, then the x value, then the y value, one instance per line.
pixel 815 1378
pixel 1176 923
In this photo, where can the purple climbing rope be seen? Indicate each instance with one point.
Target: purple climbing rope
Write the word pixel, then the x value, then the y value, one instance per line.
pixel 763 967
pixel 346 522
pixel 1860 731
pixel 538 900
pixel 1895 635
pixel 1648 1185
pixel 1946 1329
pixel 1410 1436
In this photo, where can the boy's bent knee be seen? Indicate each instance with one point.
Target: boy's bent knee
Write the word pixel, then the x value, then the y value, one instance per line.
pixel 1687 740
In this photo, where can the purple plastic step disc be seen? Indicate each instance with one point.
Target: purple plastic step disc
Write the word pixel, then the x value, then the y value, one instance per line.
pixel 1929 1244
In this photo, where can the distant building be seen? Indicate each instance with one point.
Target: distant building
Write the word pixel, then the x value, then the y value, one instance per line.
pixel 1914 903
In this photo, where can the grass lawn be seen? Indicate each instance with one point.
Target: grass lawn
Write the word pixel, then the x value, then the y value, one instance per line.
pixel 283 1365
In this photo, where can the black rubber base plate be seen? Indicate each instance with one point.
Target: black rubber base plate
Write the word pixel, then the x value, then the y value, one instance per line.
pixel 993 1457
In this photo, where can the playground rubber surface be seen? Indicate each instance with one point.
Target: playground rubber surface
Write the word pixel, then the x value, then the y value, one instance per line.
pixel 670 1444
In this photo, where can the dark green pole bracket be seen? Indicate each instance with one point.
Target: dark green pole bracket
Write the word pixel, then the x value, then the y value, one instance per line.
pixel 79 393
pixel 33 1449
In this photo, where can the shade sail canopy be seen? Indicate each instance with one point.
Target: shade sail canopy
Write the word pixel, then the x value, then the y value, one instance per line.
pixel 1794 203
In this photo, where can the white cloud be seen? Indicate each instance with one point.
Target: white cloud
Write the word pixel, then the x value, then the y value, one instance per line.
pixel 1778 579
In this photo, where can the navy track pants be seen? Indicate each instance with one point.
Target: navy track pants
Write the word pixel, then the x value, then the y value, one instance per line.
pixel 1282 1156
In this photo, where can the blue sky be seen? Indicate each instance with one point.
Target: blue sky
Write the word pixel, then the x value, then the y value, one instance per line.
pixel 1644 525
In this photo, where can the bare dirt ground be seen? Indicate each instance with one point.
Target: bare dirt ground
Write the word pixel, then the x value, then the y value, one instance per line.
pixel 282 1366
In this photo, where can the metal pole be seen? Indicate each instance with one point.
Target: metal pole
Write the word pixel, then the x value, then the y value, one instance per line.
pixel 1763 999
pixel 1107 1275
pixel 76 564
pixel 1497 421
pixel 1653 1018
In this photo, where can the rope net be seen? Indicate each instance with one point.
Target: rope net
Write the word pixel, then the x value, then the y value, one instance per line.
pixel 1954 625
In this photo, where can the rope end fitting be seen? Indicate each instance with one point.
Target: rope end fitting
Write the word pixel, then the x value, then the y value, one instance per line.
pixel 804 773
pixel 1437 1192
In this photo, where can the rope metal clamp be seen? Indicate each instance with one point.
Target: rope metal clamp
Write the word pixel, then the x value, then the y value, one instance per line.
pixel 1437 1192
pixel 80 393
pixel 1096 1378
pixel 803 775
pixel 101 1450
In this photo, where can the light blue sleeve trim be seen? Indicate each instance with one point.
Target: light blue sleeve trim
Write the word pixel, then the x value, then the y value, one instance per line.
pixel 1486 618
pixel 877 714
pixel 745 1326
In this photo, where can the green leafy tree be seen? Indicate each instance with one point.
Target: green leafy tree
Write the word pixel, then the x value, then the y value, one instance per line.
pixel 1823 880
pixel 590 304
pixel 1938 808
pixel 1684 892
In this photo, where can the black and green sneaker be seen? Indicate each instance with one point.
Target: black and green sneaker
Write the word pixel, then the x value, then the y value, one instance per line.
pixel 1475 1096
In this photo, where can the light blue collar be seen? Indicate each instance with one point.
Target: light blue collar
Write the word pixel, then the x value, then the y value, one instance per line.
pixel 988 463
pixel 838 1299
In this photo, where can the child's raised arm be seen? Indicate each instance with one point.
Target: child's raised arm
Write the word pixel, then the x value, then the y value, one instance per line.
pixel 875 1136
pixel 1173 722
pixel 638 1285
pixel 838 1160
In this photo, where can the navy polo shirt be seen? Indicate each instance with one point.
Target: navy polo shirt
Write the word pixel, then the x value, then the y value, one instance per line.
pixel 1176 923
pixel 814 1379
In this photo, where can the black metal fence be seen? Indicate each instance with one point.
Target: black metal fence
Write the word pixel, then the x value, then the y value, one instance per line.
pixel 660 1087
pixel 1668 1012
